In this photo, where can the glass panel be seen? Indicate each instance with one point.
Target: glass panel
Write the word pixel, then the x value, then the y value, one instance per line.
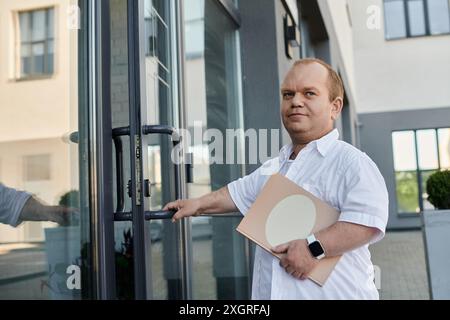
pixel 164 235
pixel 395 21
pixel 195 38
pixel 50 24
pixel 404 150
pixel 25 29
pixel 25 63
pixel 50 57
pixel 196 10
pixel 120 118
pixel 156 35
pixel 439 16
pixel 38 30
pixel 416 16
pixel 444 147
pixel 46 171
pixel 38 51
pixel 427 149
pixel 407 192
pixel 220 265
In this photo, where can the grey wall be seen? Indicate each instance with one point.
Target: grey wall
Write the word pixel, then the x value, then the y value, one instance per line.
pixel 375 136
pixel 263 63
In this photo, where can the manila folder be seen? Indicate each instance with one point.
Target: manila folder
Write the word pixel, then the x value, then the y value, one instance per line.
pixel 282 212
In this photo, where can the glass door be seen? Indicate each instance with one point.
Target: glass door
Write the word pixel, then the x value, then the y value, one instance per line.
pixel 45 132
pixel 168 256
pixel 145 103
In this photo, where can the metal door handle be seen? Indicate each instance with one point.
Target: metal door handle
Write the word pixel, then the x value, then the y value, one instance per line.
pixel 117 133
pixel 120 215
pixel 149 215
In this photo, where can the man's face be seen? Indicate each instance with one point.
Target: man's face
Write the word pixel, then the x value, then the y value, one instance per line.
pixel 306 110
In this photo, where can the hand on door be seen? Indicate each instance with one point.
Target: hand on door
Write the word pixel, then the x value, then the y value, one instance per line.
pixel 216 202
pixel 184 208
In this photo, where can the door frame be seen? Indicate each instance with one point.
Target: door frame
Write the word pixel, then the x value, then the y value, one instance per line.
pixel 94 44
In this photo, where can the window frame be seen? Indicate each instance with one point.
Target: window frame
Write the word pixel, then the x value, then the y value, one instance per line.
pixel 33 75
pixel 407 21
pixel 418 171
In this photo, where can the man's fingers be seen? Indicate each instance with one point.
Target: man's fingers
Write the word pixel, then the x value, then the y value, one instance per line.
pixel 178 215
pixel 304 276
pixel 168 206
pixel 283 262
pixel 290 270
pixel 281 248
pixel 171 205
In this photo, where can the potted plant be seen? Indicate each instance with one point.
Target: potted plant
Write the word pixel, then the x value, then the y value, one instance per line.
pixel 436 232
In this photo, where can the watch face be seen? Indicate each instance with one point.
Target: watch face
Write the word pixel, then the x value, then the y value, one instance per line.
pixel 316 249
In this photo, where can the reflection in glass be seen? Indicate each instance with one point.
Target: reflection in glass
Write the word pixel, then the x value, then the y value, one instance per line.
pixel 164 235
pixel 36 33
pixel 220 266
pixel 120 118
pixel 37 259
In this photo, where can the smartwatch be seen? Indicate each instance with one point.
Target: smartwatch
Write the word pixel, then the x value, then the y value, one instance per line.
pixel 315 247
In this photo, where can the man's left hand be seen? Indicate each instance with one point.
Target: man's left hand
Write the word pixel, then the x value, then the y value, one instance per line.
pixel 296 258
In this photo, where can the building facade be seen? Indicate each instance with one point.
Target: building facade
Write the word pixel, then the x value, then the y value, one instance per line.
pixel 93 96
pixel 399 60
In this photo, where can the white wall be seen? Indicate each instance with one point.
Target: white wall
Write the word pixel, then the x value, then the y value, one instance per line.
pixel 401 74
pixel 339 29
pixel 394 75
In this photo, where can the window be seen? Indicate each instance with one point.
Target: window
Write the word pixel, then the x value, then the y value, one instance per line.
pixel 417 155
pixel 36 43
pixel 412 18
pixel 37 167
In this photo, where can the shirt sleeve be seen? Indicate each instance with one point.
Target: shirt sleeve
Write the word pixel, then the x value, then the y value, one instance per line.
pixel 11 205
pixel 244 191
pixel 365 198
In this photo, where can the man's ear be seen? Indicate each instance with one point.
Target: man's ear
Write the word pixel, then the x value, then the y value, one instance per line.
pixel 336 107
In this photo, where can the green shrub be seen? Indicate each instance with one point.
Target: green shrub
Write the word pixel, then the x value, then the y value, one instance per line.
pixel 70 199
pixel 438 189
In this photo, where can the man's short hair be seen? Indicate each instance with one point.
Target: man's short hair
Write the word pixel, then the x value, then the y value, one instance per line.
pixel 335 85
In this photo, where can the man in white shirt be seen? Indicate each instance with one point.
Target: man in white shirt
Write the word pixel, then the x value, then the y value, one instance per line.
pixel 334 171
pixel 18 206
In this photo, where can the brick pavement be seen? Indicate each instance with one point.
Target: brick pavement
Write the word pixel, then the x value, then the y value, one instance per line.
pixel 401 259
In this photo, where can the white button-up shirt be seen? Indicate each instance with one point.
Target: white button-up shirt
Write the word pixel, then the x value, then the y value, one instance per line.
pixel 345 178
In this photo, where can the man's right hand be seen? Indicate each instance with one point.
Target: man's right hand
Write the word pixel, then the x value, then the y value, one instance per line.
pixel 184 208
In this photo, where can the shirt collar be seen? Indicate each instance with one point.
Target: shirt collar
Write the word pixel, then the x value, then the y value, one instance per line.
pixel 322 145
